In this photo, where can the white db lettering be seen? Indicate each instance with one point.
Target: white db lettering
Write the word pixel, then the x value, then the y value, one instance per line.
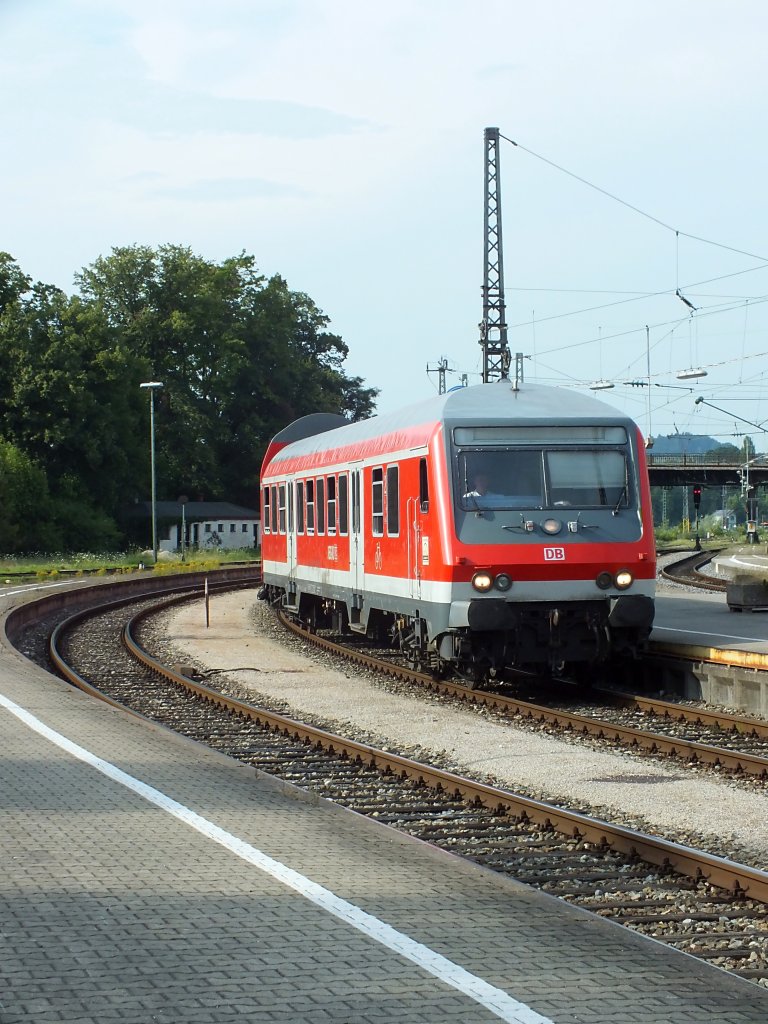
pixel 554 554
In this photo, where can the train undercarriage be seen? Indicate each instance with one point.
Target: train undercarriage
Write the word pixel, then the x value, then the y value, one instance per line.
pixel 502 639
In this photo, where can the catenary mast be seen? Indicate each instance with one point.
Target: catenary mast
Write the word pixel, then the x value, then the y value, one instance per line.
pixel 493 326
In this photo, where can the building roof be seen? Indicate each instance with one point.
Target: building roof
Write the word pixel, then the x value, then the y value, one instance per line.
pixel 200 511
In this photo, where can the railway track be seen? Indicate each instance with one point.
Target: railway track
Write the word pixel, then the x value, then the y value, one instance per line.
pixel 686 572
pixel 670 730
pixel 703 904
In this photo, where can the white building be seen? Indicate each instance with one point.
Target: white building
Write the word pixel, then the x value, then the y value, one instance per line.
pixel 206 525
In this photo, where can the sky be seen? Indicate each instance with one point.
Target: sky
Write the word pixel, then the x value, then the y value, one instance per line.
pixel 342 145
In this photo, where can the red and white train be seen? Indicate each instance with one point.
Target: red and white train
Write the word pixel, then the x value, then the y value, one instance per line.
pixel 387 527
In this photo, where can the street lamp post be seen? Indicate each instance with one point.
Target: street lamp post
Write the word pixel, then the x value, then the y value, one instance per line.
pixel 153 385
pixel 183 499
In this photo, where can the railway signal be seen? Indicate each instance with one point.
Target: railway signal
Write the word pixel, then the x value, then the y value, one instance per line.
pixel 696 504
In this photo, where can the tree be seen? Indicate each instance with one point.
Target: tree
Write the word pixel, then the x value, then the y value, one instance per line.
pixel 239 357
pixel 13 284
pixel 25 502
pixel 65 398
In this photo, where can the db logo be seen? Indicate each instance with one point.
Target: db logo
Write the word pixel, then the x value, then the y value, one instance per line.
pixel 554 554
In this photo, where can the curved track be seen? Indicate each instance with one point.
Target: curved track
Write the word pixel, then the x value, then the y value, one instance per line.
pixel 731 754
pixel 599 865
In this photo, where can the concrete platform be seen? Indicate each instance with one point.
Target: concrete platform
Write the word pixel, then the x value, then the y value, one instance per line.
pixel 716 656
pixel 146 878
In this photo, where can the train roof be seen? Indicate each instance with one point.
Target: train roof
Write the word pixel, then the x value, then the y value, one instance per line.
pixel 414 424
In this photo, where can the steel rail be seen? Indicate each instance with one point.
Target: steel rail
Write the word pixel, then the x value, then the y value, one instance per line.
pixel 717 871
pixel 186 591
pixel 684 713
pixel 686 571
pixel 571 722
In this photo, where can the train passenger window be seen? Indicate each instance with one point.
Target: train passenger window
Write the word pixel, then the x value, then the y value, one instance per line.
pixel 393 500
pixel 300 507
pixel 423 486
pixel 377 502
pixel 330 485
pixel 310 485
pixel 343 505
pixel 274 510
pixel 320 504
pixel 290 507
pixel 265 513
pixel 281 508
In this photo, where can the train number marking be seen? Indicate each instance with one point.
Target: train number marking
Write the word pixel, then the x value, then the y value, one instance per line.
pixel 554 554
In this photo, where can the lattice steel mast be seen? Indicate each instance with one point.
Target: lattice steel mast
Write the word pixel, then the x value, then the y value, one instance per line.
pixel 493 326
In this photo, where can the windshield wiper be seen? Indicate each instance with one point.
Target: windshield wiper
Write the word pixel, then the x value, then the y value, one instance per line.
pixel 622 495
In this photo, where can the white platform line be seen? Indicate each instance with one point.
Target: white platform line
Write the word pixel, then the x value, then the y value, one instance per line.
pixel 498 1002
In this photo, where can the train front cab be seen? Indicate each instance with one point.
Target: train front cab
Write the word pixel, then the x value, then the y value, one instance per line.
pixel 554 545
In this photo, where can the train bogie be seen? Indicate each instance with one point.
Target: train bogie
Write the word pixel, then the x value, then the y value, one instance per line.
pixel 488 530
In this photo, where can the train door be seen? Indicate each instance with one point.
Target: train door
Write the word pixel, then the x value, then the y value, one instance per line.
pixel 417 542
pixel 356 538
pixel 291 532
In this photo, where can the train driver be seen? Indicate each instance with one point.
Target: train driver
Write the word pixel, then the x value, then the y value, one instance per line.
pixel 480 496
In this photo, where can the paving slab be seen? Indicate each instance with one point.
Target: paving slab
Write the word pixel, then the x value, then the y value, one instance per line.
pixel 146 878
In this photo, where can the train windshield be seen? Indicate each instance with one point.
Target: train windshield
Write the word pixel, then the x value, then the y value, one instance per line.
pixel 555 475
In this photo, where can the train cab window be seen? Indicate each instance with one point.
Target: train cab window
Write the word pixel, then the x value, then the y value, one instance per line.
pixel 281 508
pixel 537 478
pixel 300 507
pixel 377 502
pixel 265 511
pixel 343 504
pixel 393 500
pixel 509 479
pixel 423 486
pixel 310 486
pixel 320 504
pixel 588 478
pixel 330 485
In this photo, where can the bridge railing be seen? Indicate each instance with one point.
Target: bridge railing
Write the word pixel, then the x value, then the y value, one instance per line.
pixel 702 461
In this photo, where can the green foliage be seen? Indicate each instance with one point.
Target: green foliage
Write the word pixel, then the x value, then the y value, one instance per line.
pixel 24 500
pixel 239 357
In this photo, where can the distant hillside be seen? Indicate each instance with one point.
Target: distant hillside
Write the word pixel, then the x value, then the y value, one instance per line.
pixel 688 444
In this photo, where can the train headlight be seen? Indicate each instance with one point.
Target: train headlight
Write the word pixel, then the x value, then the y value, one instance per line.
pixel 552 526
pixel 502 581
pixel 604 580
pixel 623 579
pixel 482 581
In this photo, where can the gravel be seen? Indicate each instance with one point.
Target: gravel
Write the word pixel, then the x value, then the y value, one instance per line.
pixel 242 646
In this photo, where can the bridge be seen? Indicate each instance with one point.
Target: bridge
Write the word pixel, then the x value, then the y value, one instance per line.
pixel 688 470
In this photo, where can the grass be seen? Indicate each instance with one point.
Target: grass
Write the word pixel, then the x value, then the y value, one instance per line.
pixel 86 563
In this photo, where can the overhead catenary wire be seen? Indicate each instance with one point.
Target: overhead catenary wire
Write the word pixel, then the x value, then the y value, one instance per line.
pixel 630 206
